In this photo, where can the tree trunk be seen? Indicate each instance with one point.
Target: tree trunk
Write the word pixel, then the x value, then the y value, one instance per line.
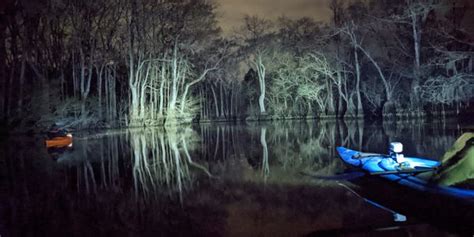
pixel 186 88
pixel 388 94
pixel 75 84
pixel 201 104
pixel 216 105
pixel 20 88
pixel 222 98
pixel 113 95
pixel 416 69
pixel 143 85
pixel 10 89
pixel 134 103
pixel 162 84
pixel 174 82
pixel 261 82
pixel 44 85
pixel 108 96
pixel 3 67
pixel 330 108
pixel 261 98
pixel 85 82
pixel 99 89
pixel 359 109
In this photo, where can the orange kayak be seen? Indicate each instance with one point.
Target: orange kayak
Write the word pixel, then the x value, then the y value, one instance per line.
pixel 59 141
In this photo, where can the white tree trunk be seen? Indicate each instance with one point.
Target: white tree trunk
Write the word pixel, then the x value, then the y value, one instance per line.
pixel 261 81
pixel 359 109
pixel 186 88
pixel 162 85
pixel 99 88
pixel 216 106
pixel 222 99
pixel 174 81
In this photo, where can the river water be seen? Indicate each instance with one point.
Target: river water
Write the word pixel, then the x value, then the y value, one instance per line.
pixel 216 180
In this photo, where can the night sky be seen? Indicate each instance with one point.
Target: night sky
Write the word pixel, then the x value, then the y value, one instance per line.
pixel 231 12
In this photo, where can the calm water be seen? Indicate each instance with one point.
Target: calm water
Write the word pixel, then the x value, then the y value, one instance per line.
pixel 218 180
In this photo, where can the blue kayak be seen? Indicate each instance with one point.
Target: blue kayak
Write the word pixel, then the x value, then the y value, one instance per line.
pixel 385 167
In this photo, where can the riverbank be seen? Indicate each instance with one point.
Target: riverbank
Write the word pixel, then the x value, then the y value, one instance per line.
pixel 463 118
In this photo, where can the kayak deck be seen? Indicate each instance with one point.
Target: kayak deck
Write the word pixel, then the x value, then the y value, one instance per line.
pixel 372 162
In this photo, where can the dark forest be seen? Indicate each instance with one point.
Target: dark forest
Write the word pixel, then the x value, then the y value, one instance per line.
pixel 122 63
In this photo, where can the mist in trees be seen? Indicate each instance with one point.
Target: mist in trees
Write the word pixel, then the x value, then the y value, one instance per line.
pixel 115 63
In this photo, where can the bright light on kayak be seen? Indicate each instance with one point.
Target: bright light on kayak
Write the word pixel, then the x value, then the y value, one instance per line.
pixel 396 147
pixel 395 151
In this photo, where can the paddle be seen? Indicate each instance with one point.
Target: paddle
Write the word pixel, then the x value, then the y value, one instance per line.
pixel 397 217
pixel 415 170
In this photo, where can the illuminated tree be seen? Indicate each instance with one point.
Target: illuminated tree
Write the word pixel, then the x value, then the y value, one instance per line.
pixel 257 33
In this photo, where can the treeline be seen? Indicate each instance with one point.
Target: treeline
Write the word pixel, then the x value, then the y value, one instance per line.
pixel 105 63
pixel 375 58
pixel 146 62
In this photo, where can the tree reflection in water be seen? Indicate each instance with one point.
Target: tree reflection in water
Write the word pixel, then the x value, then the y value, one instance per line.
pixel 220 174
pixel 156 161
pixel 263 141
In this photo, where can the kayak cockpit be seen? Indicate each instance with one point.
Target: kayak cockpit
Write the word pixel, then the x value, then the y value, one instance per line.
pixel 361 155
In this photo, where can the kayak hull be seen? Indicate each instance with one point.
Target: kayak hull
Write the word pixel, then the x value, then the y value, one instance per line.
pixel 59 142
pixel 378 163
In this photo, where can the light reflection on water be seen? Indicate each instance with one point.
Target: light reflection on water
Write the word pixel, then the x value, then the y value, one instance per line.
pixel 210 180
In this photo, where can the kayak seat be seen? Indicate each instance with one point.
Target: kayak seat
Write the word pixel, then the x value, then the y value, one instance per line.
pixel 391 165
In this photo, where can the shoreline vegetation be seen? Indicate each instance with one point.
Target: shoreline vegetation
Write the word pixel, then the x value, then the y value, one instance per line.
pixel 124 63
pixel 185 122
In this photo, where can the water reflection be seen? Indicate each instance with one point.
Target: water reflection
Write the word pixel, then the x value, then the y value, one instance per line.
pixel 443 211
pixel 223 179
pixel 263 141
pixel 158 161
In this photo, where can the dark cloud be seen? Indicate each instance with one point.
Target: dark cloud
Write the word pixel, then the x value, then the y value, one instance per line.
pixel 231 12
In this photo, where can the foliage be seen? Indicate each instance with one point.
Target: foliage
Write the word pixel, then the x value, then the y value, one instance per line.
pixel 124 62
